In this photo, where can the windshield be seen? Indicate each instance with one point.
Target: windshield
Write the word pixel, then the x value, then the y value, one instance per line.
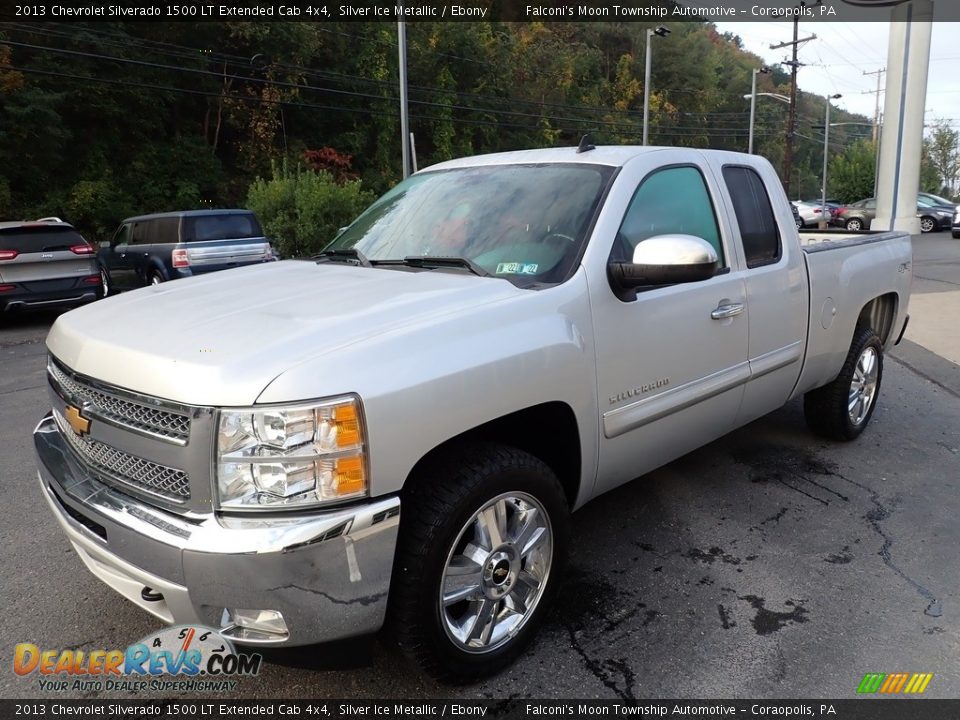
pixel 524 223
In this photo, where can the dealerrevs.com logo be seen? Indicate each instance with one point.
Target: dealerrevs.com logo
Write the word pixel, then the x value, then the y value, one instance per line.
pixel 184 658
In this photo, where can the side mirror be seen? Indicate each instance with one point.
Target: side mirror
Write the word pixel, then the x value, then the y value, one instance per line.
pixel 664 260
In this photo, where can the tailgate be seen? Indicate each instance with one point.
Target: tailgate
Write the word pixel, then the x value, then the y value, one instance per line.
pixel 43 259
pixel 228 252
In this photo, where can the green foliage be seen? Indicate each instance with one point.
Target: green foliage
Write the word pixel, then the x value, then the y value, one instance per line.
pixel 941 159
pixel 303 210
pixel 205 108
pixel 851 175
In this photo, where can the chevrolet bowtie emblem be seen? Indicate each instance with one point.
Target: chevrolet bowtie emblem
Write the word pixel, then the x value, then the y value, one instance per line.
pixel 80 424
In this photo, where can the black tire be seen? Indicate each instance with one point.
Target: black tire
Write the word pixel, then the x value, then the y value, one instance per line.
pixel 854 224
pixel 439 506
pixel 827 409
pixel 154 278
pixel 956 234
pixel 927 224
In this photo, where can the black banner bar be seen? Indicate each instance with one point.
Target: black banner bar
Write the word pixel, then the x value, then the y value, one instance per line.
pixel 461 10
pixel 858 709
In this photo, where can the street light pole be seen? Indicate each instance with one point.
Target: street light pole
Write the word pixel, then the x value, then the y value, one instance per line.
pixel 753 104
pixel 826 149
pixel 404 118
pixel 662 32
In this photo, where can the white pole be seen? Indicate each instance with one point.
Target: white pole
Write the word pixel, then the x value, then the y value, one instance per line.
pixel 404 118
pixel 753 109
pixel 901 137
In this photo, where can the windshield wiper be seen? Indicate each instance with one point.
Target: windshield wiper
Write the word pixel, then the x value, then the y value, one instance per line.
pixel 351 256
pixel 436 261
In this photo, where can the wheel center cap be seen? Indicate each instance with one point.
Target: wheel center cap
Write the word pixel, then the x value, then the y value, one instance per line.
pixel 500 572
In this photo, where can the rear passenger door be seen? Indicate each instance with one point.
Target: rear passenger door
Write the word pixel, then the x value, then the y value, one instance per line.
pixel 776 291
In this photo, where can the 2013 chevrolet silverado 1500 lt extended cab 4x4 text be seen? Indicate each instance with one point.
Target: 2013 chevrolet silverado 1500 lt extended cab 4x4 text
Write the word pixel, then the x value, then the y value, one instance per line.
pixel 395 432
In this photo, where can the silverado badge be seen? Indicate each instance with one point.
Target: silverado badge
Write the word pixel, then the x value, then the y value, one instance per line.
pixel 80 424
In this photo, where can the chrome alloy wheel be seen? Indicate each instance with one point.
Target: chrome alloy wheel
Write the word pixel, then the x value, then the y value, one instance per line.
pixel 863 387
pixel 496 572
pixel 927 224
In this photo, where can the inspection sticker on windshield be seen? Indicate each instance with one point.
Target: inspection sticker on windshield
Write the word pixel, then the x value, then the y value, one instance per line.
pixel 517 269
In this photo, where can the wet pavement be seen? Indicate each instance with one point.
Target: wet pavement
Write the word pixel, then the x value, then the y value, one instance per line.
pixel 770 563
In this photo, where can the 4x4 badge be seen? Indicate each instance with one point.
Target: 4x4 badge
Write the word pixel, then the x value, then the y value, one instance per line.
pixel 80 424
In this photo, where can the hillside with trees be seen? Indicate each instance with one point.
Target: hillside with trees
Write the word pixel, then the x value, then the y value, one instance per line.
pixel 101 121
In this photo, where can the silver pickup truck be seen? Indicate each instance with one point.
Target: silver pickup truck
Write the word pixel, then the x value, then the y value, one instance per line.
pixel 395 432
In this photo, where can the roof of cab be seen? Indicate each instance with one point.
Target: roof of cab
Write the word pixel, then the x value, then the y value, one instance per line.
pixel 189 213
pixel 613 155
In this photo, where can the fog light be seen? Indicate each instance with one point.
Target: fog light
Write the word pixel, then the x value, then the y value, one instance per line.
pixel 253 625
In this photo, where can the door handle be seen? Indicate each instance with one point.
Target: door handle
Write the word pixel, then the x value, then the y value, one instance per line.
pixel 727 311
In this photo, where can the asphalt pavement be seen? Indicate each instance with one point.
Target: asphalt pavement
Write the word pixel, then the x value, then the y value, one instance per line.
pixel 768 564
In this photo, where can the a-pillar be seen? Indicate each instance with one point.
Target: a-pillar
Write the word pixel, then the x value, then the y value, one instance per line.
pixel 901 143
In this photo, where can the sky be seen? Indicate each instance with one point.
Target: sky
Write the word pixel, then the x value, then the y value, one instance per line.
pixel 842 52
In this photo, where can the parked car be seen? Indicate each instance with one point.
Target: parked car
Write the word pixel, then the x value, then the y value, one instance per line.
pixel 956 225
pixel 45 263
pixel 151 249
pixel 812 214
pixel 858 216
pixel 399 430
pixel 932 199
pixel 796 217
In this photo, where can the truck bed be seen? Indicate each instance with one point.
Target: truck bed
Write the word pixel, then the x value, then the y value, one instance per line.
pixel 845 269
pixel 819 240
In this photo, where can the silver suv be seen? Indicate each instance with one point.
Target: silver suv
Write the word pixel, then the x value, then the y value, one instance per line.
pixel 45 263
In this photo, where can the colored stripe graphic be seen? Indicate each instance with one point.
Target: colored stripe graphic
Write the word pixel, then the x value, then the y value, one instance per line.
pixel 871 682
pixel 895 683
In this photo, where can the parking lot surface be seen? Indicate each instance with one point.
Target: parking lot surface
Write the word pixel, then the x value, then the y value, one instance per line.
pixel 768 564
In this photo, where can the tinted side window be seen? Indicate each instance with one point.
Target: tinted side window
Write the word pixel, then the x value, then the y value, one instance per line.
pixel 163 231
pixel 122 236
pixel 670 201
pixel 138 236
pixel 751 205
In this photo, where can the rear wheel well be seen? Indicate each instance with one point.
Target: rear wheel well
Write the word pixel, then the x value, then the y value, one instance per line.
pixel 547 431
pixel 879 314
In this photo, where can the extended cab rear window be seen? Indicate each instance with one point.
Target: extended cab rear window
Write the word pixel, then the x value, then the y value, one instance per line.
pixel 234 226
pixel 39 239
pixel 751 204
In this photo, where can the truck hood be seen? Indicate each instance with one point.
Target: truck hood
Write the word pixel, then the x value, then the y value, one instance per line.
pixel 221 339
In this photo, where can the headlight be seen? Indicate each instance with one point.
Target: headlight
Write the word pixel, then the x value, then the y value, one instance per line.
pixel 291 457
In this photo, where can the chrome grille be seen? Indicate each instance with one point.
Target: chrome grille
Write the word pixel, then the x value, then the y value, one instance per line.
pixel 164 424
pixel 130 470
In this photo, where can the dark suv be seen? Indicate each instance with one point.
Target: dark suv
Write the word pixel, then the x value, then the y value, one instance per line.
pixel 151 249
pixel 46 263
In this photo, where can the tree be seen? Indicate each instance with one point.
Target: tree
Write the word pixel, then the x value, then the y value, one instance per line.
pixel 851 175
pixel 943 153
pixel 302 210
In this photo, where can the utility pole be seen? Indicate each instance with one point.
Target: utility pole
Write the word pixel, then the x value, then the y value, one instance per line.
pixel 792 116
pixel 876 112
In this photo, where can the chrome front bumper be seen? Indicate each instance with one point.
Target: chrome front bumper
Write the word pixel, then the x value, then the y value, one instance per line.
pixel 327 573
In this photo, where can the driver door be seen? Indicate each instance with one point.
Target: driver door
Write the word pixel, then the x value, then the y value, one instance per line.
pixel 117 259
pixel 672 363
